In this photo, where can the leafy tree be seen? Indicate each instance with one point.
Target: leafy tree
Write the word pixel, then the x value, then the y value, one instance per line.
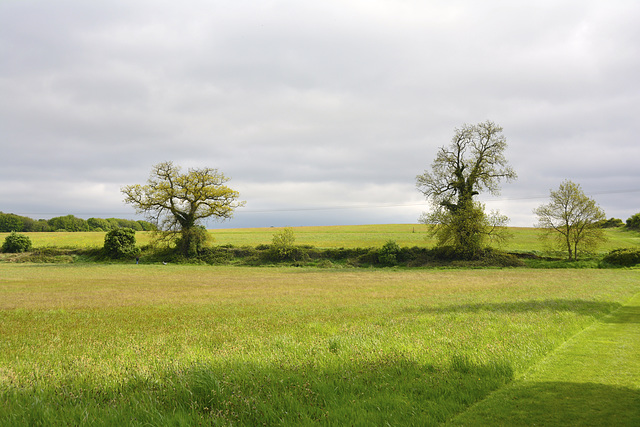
pixel 32 225
pixel 572 218
pixel 11 222
pixel 15 243
pixel 177 202
pixel 120 243
pixel 473 162
pixel 97 224
pixel 68 223
pixel 633 223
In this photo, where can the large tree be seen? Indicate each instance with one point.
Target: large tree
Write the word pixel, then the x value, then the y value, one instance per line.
pixel 572 218
pixel 178 202
pixel 473 162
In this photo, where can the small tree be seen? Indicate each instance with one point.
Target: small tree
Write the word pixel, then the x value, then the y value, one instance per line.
pixel 572 218
pixel 282 244
pixel 120 243
pixel 15 243
pixel 473 162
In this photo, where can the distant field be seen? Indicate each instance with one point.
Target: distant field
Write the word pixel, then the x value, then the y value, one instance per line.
pixel 186 345
pixel 524 239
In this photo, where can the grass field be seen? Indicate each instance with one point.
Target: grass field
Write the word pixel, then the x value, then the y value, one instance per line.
pixel 186 345
pixel 524 239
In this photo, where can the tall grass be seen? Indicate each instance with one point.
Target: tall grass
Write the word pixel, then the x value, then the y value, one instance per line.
pixel 153 344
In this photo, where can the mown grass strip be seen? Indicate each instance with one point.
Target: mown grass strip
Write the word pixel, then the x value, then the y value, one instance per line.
pixel 594 379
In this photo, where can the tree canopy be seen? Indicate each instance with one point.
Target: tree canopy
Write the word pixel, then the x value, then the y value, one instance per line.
pixel 473 162
pixel 572 218
pixel 178 202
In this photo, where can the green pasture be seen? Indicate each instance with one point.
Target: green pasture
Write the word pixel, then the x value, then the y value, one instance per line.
pixel 523 240
pixel 186 345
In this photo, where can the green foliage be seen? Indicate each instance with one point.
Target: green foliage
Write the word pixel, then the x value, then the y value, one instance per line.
pixel 10 222
pixel 388 254
pixel 68 223
pixel 177 202
pixel 99 224
pixel 282 245
pixel 192 240
pixel 611 223
pixel 15 243
pixel 623 257
pixel 473 162
pixel 120 243
pixel 572 219
pixel 633 223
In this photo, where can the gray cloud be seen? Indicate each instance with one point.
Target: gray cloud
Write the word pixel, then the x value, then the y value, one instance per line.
pixel 314 105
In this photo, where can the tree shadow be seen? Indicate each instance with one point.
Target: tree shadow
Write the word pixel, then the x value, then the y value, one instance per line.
pixel 556 403
pixel 391 389
pixel 584 307
pixel 625 314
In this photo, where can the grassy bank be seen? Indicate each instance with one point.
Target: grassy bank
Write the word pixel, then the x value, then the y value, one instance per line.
pixel 113 344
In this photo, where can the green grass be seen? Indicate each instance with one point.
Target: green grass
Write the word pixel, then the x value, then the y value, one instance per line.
pixel 154 344
pixel 593 379
pixel 524 239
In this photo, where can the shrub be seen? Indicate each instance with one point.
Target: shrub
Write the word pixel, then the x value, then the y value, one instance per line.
pixel 15 243
pixel 192 241
pixel 282 245
pixel 611 223
pixel 633 223
pixel 623 257
pixel 388 254
pixel 120 243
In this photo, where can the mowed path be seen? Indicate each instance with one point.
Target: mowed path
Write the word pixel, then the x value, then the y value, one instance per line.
pixel 592 380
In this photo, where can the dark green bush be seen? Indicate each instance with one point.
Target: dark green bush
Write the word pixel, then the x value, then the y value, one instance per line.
pixel 388 254
pixel 623 257
pixel 611 223
pixel 121 243
pixel 15 243
pixel 633 223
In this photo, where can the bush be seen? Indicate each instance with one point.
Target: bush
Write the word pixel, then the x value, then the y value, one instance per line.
pixel 282 245
pixel 121 243
pixel 633 223
pixel 388 254
pixel 192 241
pixel 611 223
pixel 623 257
pixel 15 243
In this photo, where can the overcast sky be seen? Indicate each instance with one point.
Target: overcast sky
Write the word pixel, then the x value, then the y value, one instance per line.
pixel 321 112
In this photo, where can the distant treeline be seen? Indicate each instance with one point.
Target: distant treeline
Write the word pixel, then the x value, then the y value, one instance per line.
pixel 12 222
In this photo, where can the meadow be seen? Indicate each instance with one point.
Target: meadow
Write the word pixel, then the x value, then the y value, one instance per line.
pixel 352 236
pixel 114 344
pixel 91 343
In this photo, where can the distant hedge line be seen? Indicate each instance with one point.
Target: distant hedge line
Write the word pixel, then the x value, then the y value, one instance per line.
pixel 12 222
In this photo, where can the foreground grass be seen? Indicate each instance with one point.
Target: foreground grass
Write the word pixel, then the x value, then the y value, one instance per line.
pixel 157 344
pixel 593 379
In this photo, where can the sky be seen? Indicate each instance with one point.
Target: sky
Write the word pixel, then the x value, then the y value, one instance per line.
pixel 321 112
